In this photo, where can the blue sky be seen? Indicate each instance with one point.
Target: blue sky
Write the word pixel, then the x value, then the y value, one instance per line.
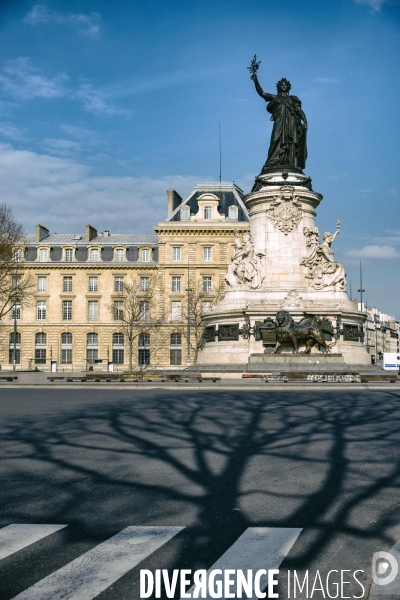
pixel 105 105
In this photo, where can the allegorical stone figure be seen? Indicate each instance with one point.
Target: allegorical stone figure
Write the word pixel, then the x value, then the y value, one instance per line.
pixel 246 266
pixel 323 271
pixel 288 145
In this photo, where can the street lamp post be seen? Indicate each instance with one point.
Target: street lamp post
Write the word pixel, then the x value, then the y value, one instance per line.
pixel 361 289
pixel 15 337
pixel 188 289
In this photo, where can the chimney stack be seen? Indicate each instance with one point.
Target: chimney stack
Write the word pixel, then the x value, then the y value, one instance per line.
pixel 41 233
pixel 174 200
pixel 91 233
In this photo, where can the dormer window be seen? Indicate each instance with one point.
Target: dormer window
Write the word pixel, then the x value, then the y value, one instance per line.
pixel 208 212
pixel 94 255
pixel 18 255
pixel 43 255
pixel 185 213
pixel 119 255
pixel 69 255
pixel 145 255
pixel 233 213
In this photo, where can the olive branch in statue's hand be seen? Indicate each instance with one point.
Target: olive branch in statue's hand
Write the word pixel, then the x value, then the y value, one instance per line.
pixel 254 66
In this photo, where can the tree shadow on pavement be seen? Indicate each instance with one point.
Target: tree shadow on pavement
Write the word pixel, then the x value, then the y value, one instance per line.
pixel 216 463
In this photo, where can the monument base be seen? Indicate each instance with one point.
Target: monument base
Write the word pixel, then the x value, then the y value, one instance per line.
pixel 297 360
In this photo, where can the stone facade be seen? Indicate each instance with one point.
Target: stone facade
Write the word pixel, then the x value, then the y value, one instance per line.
pixel 71 319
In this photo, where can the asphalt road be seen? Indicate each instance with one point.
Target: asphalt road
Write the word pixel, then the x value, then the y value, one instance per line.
pixel 213 463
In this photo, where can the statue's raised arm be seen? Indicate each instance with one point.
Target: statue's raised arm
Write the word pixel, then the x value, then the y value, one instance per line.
pixel 288 146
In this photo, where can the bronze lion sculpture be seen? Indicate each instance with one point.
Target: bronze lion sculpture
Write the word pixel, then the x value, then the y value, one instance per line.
pixel 310 330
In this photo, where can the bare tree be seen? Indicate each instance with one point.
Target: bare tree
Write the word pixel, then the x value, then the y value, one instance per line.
pixel 16 286
pixel 134 308
pixel 200 302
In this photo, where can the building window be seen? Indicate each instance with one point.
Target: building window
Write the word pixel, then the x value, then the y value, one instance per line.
pixel 92 350
pixel 17 349
pixel 176 311
pixel 144 349
pixel 176 284
pixel 207 254
pixel 40 348
pixel 118 311
pixel 69 255
pixel 118 348
pixel 120 255
pixel 206 307
pixel 185 213
pixel 176 254
pixel 16 311
pixel 42 284
pixel 207 212
pixel 93 310
pixel 207 284
pixel 94 255
pixel 144 284
pixel 144 311
pixel 67 284
pixel 66 348
pixel 118 284
pixel 233 213
pixel 145 255
pixel 67 310
pixel 41 310
pixel 175 352
pixel 18 255
pixel 16 283
pixel 43 255
pixel 93 284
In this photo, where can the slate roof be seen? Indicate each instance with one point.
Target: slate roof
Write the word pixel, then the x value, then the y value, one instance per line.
pixel 229 194
pixel 113 239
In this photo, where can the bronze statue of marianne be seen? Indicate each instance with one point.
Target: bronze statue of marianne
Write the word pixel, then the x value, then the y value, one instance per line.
pixel 288 145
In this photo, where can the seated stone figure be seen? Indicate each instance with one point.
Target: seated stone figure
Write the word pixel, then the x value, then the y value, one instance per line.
pixel 323 271
pixel 246 267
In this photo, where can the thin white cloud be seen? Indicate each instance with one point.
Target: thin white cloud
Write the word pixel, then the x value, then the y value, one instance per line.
pixel 338 176
pixel 20 79
pixel 65 196
pixel 392 240
pixel 11 132
pixel 61 147
pixel 86 23
pixel 325 80
pixel 81 134
pixel 377 252
pixel 376 5
pixel 95 101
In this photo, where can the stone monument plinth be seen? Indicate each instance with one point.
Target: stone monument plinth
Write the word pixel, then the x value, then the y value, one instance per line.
pixel 283 265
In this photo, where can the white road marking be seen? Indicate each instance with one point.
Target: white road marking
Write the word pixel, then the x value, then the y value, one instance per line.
pixel 257 548
pixel 390 591
pixel 90 574
pixel 17 536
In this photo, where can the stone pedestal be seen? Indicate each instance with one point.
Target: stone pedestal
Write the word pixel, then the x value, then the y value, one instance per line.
pixel 282 266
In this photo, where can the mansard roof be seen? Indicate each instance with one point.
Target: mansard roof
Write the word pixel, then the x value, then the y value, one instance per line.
pixel 229 194
pixel 103 239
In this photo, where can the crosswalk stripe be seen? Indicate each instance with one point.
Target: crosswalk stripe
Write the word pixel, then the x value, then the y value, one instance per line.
pixel 88 575
pixel 257 548
pixel 391 590
pixel 17 536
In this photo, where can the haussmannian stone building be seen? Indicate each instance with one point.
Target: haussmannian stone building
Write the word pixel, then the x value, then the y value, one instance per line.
pixel 73 318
